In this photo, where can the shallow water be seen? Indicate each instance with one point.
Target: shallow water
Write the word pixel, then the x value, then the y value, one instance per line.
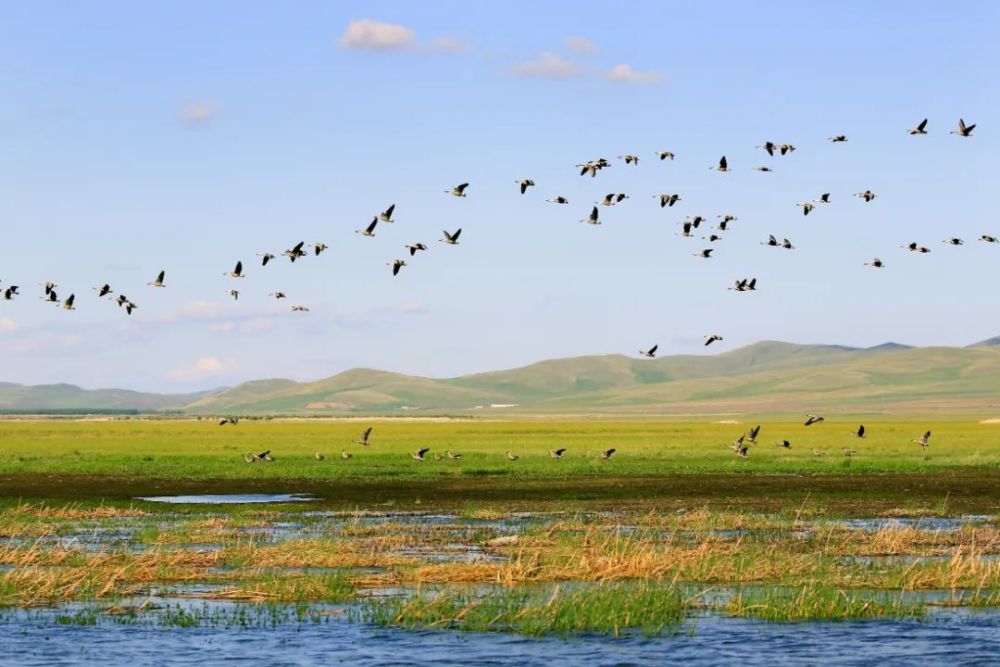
pixel 946 636
pixel 230 498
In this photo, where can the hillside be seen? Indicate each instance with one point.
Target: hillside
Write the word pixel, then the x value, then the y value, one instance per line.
pixel 68 397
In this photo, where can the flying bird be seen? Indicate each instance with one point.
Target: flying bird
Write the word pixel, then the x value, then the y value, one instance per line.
pixel 629 159
pixel 451 239
pixel 558 199
pixel 235 294
pixel 875 263
pixel 414 247
pixel 665 155
pixel 104 290
pixel 458 190
pixel 606 454
pixel 915 247
pixel 419 454
pixel 386 215
pixel 806 207
pixel 525 183
pixel 452 456
pixel 236 272
pixel 668 200
pixel 319 247
pixel 705 254
pixel 346 455
pixel 370 229
pixel 68 303
pixel 921 128
pixel 837 138
pixel 745 285
pixel 784 443
pixel 860 432
pixel 754 432
pixel 989 239
pixel 924 440
pixel 963 129
pixel 396 265
pixel 769 147
pixel 764 169
pixel 10 292
pixel 295 252
pixel 592 219
pixel 823 198
pixel 511 456
pixel 265 257
pixel 650 353
pixel 557 453
pixel 867 195
pixel 954 241
pixel 723 165
pixel 277 295
pixel 812 419
pixel 363 440
pixel 159 280
pixel 786 148
pixel 299 309
pixel 712 338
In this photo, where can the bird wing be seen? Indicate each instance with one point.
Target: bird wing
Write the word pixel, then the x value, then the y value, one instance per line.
pixel 653 349
pixel 458 232
pixel 754 431
pixel 461 187
pixel 922 124
pixel 239 268
pixel 160 277
pixel 371 227
pixel 388 211
pixel 723 164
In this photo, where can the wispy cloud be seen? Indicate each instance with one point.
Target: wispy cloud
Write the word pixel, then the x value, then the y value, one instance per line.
pixel 45 342
pixel 372 35
pixel 197 114
pixel 581 45
pixel 626 74
pixel 204 367
pixel 548 66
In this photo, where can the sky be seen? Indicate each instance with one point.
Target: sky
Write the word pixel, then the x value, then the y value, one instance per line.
pixel 185 136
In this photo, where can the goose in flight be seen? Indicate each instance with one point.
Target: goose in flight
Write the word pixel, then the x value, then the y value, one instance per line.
pixel 771 241
pixel 752 436
pixel 49 287
pixel 726 218
pixel 511 456
pixel 606 454
pixel 558 199
pixel 860 432
pixel 650 353
pixel 121 300
pixel 458 191
pixel 370 229
pixel 236 272
pixel 592 219
pixel 419 454
pixel 299 309
pixel 712 338
pixel 915 247
pixel 629 159
pixel 10 292
pixel 129 307
pixel 159 280
pixel 235 293
pixel 68 303
pixel 396 265
pixel 738 442
pixel 954 241
pixel 745 285
pixel 386 215
pixel 723 226
pixel 786 148
pixel 723 165
pixel 787 245
pixel 784 443
pixel 668 200
pixel 924 440
pixel 705 254
pixel 665 155
pixel 712 238
pixel 278 295
pixel 867 195
pixel 451 239
pixel 265 257
pixel 812 419
pixel 525 183
pixel 769 147
pixel 229 420
pixel 346 455
pixel 685 229
pixel 921 128
pixel 295 252
pixel 414 247
pixel 696 220
pixel 764 169
pixel 875 263
pixel 363 440
pixel 823 198
pixel 319 247
pixel 743 452
pixel 806 207
pixel 963 129
pixel 989 239
pixel 593 166
pixel 104 290
pixel 557 453
pixel 453 456
pixel 837 138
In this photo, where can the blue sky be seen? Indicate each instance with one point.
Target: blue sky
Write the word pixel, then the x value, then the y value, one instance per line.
pixel 185 136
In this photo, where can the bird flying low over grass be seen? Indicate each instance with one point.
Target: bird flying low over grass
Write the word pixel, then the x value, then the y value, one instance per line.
pixel 419 454
pixel 557 453
pixel 924 440
pixel 812 419
pixel 606 454
pixel 318 456
pixel 453 456
pixel 753 433
pixel 650 353
pixel 511 456
pixel 860 432
pixel 784 443
pixel 346 455
pixel 363 440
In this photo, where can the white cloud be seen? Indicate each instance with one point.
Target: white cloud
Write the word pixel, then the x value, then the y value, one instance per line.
pixel 371 35
pixel 204 367
pixel 197 113
pixel 7 325
pixel 625 74
pixel 581 45
pixel 548 66
pixel 48 343
pixel 449 45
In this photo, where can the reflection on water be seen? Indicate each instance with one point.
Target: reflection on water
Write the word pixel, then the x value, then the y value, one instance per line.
pixel 946 636
pixel 230 498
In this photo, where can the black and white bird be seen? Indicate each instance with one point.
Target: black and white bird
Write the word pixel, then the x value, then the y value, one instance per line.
pixel 753 433
pixel 49 287
pixel 525 183
pixel 769 147
pixel 989 239
pixel 650 353
pixel 629 159
pixel 558 199
pixel 712 338
pixel 453 456
pixel 345 455
pixel 606 454
pixel 235 293
pixel 414 247
pixel 265 257
pixel 823 198
pixel 875 263
pixel 812 419
pixel 451 239
pixel 807 207
pixel 712 238
pixel 370 229
pixel 593 218
pixel 705 253
pixel 237 272
pixel 511 456
pixel 104 290
pixel 68 303
pixel 295 252
pixel 278 295
pixel 916 247
pixel 319 247
pixel 784 443
pixel 924 440
pixel 458 190
pixel 396 265
pixel 10 292
pixel 963 130
pixel 363 440
pixel 837 138
pixel 419 454
pixel 386 215
pixel 867 195
pixel 763 169
pixel 786 148
pixel 159 280
pixel 953 241
pixel 299 309
pixel 668 200
pixel 921 128
pixel 745 285
pixel 557 453
pixel 860 432
pixel 723 165
pixel 665 155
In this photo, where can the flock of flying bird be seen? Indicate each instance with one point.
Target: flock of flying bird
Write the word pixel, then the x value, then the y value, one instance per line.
pixel 592 167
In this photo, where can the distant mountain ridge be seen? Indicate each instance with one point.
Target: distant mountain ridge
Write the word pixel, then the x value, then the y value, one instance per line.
pixel 770 376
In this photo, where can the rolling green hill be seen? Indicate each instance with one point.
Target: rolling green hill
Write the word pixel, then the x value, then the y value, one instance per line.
pixel 70 398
